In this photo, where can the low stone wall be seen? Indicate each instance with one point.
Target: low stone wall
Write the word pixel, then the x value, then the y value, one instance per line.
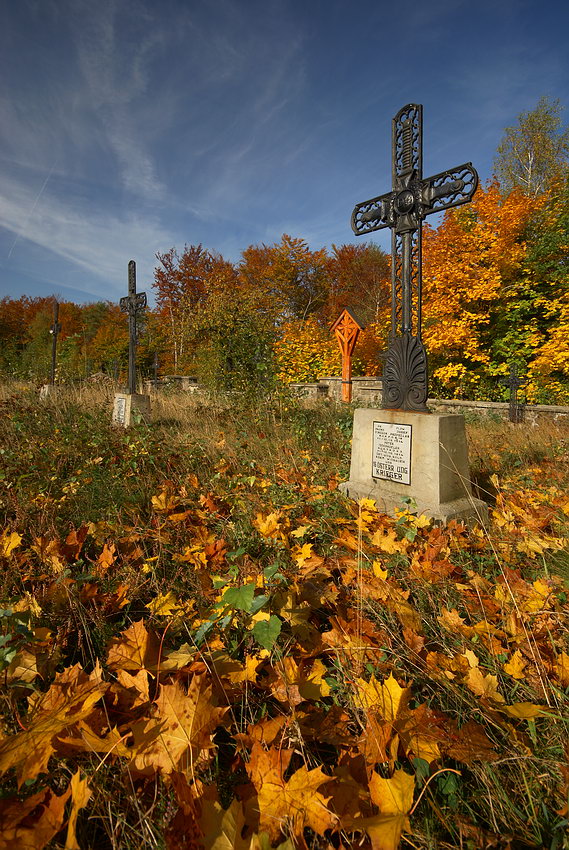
pixel 188 383
pixel 366 392
pixel 533 413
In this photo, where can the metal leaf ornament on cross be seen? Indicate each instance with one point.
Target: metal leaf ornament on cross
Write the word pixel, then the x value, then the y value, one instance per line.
pixel 412 198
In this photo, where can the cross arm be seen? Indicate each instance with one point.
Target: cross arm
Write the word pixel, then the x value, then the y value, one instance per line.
pixel 449 188
pixel 133 303
pixel 371 215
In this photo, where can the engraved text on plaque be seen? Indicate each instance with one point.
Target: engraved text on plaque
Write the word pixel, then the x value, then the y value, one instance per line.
pixel 391 454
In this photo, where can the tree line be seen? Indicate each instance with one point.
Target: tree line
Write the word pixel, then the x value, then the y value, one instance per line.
pixel 495 291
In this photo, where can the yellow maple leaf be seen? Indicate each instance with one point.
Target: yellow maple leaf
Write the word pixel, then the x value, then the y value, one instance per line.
pixel 395 799
pixel 378 570
pixel 387 698
pixel 80 796
pixel 300 531
pixel 516 665
pixel 524 710
pixel 222 829
pixel 388 542
pixel 164 604
pixel 483 686
pixel 292 805
pixel 9 542
pixel 302 553
pixel 562 668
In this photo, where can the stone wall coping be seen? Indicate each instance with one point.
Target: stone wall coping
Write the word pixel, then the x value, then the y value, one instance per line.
pixel 497 405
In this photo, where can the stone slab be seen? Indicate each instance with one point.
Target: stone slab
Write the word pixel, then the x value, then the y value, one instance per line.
pixel 129 408
pixel 398 455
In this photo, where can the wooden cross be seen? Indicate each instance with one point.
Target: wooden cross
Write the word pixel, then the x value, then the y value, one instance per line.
pixel 54 331
pixel 133 304
pixel 347 329
pixel 412 198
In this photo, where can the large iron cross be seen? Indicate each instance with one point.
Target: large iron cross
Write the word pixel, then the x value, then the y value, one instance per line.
pixel 133 304
pixel 412 198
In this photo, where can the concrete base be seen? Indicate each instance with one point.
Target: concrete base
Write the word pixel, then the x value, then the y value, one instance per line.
pixel 433 457
pixel 129 408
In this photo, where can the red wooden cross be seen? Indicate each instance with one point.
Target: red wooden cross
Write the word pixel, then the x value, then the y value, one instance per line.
pixel 347 329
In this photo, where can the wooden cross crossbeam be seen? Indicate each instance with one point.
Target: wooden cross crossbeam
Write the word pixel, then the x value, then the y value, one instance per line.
pixel 347 328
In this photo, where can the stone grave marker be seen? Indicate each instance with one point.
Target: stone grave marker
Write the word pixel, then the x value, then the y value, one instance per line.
pixel 403 452
pixel 130 405
pixel 347 328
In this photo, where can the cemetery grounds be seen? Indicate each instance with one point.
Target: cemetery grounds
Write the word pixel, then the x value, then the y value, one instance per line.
pixel 204 644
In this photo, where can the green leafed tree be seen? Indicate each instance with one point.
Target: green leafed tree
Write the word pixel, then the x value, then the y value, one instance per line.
pixel 534 153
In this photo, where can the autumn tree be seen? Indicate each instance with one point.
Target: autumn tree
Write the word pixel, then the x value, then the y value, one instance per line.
pixel 472 267
pixel 534 153
pixel 359 276
pixel 182 283
pixel 289 280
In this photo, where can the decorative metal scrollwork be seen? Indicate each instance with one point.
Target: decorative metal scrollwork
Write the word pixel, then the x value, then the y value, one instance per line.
pixel 405 376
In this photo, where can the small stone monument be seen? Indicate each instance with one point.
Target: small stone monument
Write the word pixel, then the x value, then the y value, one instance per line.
pixel 402 452
pixel 347 328
pixel 51 389
pixel 131 405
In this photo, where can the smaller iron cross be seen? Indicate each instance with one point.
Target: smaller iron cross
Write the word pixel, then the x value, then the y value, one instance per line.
pixel 412 198
pixel 54 331
pixel 514 382
pixel 133 304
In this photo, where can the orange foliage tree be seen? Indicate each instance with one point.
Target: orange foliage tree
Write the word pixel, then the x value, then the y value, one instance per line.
pixel 472 267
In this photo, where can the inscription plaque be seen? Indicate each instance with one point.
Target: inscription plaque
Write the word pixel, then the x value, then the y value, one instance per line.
pixel 391 453
pixel 120 410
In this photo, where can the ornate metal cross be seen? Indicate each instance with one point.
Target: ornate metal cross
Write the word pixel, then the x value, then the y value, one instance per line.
pixel 412 198
pixel 133 304
pixel 54 331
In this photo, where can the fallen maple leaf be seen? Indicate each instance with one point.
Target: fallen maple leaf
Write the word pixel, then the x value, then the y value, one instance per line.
pixel 394 797
pixel 179 732
pixel 30 824
pixel 71 698
pixel 9 542
pixel 387 698
pixel 80 796
pixel 483 686
pixel 296 802
pixel 134 649
pixel 516 665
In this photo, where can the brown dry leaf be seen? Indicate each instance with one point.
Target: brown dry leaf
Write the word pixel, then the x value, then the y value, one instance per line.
pixel 387 698
pixel 179 733
pixel 30 824
pixel 134 649
pixel 421 733
pixel 71 698
pixel 107 558
pixel 483 686
pixel 453 622
pixel 296 802
pixel 80 796
pixel 468 744
pixel 23 667
pixel 373 743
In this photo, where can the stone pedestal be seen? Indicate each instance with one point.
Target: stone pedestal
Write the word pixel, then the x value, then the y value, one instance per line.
pixel 129 408
pixel 399 455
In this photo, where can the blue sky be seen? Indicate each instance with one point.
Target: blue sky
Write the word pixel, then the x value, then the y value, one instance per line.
pixel 131 126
